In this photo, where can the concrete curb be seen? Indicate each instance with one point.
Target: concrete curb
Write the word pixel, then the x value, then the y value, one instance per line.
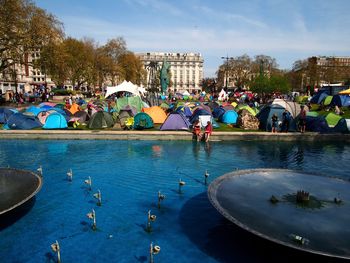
pixel 166 135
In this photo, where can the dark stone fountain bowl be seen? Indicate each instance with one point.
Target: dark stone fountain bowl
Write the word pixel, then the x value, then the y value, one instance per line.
pixel 264 202
pixel 17 187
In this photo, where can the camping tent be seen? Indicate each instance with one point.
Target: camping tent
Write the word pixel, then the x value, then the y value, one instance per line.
pixel 142 121
pixel 19 121
pixel 124 86
pixel 229 117
pixel 100 120
pixel 341 100
pixel 5 114
pixel 156 113
pixel 175 121
pixel 291 106
pixel 55 120
pixel 265 114
pixel 135 102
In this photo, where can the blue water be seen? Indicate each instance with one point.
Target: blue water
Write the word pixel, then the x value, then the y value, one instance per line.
pixel 129 175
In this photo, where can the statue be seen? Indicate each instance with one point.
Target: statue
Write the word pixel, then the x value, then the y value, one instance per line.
pixel 164 78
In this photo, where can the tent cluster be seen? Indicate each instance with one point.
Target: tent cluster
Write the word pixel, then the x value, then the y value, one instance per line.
pixel 322 117
pixel 130 112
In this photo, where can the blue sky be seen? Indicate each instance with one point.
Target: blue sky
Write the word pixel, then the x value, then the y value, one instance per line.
pixel 287 30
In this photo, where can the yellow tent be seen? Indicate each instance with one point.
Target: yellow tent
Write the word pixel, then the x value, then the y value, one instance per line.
pixel 345 92
pixel 157 114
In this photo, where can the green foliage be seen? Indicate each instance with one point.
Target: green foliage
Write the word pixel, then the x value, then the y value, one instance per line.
pixel 260 85
pixel 63 92
pixel 24 28
pixel 264 84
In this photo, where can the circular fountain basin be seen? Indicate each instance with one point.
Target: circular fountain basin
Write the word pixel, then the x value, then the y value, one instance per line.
pixel 17 187
pixel 320 225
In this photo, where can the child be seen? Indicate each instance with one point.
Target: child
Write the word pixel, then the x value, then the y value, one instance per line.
pixel 208 131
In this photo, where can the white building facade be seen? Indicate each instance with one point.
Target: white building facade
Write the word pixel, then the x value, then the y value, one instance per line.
pixel 186 69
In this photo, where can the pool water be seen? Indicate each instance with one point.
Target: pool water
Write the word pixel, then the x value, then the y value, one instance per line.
pixel 129 175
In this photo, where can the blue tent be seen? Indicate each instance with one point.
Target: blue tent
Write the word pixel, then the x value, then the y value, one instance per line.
pixel 5 114
pixel 341 100
pixel 319 97
pixel 265 114
pixel 142 121
pixel 218 111
pixel 55 121
pixel 229 117
pixel 35 110
pixel 20 121
pixel 197 113
pixel 175 121
pixel 185 109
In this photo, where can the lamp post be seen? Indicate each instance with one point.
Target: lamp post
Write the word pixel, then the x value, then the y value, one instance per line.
pixel 227 58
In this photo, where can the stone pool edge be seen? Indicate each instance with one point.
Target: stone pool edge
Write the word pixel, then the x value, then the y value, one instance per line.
pixel 166 135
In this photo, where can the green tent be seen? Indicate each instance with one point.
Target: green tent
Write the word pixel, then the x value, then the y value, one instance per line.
pixel 327 100
pixel 101 120
pixel 135 102
pixel 312 114
pixel 142 121
pixel 332 119
pixel 248 108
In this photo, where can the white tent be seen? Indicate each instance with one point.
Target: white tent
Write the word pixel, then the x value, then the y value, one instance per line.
pixel 186 93
pixel 222 95
pixel 291 106
pixel 125 86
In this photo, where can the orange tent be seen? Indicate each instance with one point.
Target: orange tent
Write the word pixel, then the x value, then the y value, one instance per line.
pixel 74 108
pixel 157 114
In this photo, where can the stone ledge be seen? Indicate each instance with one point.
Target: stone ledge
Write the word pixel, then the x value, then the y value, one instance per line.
pixel 166 135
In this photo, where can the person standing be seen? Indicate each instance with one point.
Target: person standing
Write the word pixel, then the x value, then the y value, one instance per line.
pixel 302 119
pixel 285 120
pixel 274 123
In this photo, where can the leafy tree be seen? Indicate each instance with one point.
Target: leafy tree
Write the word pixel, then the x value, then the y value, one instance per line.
pixel 114 48
pixel 263 84
pixel 209 84
pixel 131 68
pixel 264 64
pixel 24 28
pixel 260 85
pixel 52 60
pixel 279 83
pixel 240 69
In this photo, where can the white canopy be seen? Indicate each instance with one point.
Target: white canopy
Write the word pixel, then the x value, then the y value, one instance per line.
pixel 125 86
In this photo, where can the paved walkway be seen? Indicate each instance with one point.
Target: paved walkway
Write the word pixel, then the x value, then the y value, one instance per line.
pixel 166 135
